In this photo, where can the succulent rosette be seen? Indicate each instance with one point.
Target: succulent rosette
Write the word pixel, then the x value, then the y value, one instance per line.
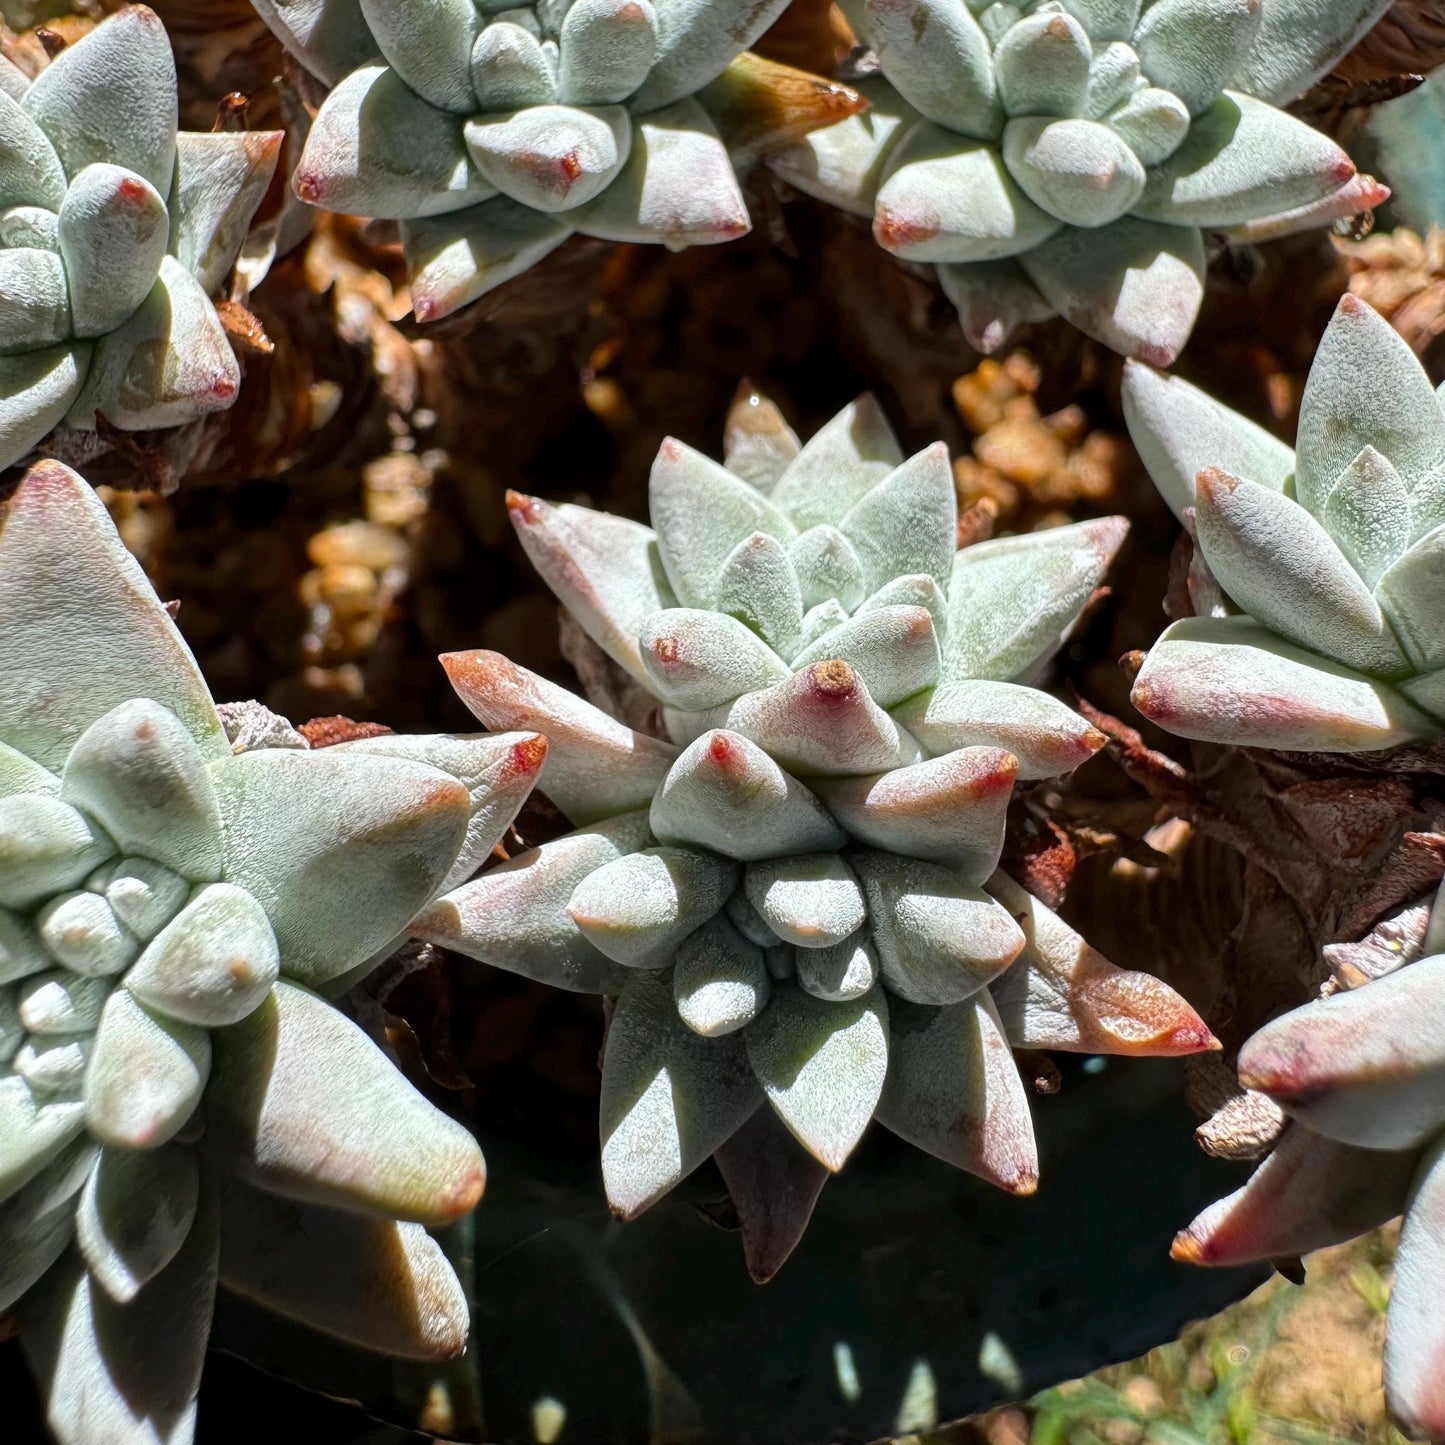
pixel 1068 158
pixel 178 1102
pixel 494 131
pixel 791 884
pixel 1362 1075
pixel 115 228
pixel 1320 577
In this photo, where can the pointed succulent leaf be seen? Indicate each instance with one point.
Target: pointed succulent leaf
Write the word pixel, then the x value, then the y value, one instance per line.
pixel 946 200
pixel 59 1002
pixel 908 523
pixel 82 932
pixel 825 564
pixel 1278 564
pixel 1012 600
pixel 1080 171
pixel 1134 285
pixel 695 41
pixel 697 659
pixel 1153 123
pixel 677 186
pixel 758 444
pixel 813 901
pixel 669 1096
pixel 1042 65
pixel 1310 1193
pixel 914 589
pixel 1229 680
pixel 1427 502
pixel 894 650
pixel 114 229
pixel 111 97
pixel 45 845
pixel 1046 737
pixel 37 388
pixel 606 49
pixel 306 1106
pixel 1195 47
pixel 1410 594
pixel 827 615
pixel 510 69
pixel 701 512
pixel 30 171
pixel 954 1090
pixel 134 1214
pixel 1064 994
pixel 759 585
pixel 839 465
pixel 1368 515
pixel 37 1230
pixel 720 980
pixel 822 721
pixel 145 1076
pixel 515 916
pixel 329 37
pixel 1365 388
pixel 53 1065
pixel 822 1066
pixel 21 952
pixel 840 972
pixel 639 908
pixel 936 55
pixel 1359 194
pixel 1114 72
pixel 551 157
pixel 948 809
pixel 453 259
pixel 596 767
pixel 19 774
pixel 606 570
pixel 376 148
pixel 1297 43
pixel 727 794
pixel 34 298
pixel 1179 429
pixel 144 895
pixel 221 177
pixel 993 299
pixel 1414 1343
pixel 168 365
pixel 32 1133
pixel 1364 1066
pixel 429 44
pixel 376 1283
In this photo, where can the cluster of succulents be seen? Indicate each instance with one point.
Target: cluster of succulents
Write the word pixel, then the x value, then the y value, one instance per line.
pixel 1359 1074
pixel 495 131
pixel 1068 157
pixel 792 887
pixel 115 228
pixel 1320 609
pixel 178 1101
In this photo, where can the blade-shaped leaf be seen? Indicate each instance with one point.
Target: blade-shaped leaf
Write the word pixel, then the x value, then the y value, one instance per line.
pixel 758 444
pixel 697 659
pixel 1195 47
pixel 894 650
pixel 720 981
pixel 936 54
pixel 1410 593
pixel 811 900
pixel 839 465
pixel 429 43
pixel 908 523
pixel 329 37
pixel 695 41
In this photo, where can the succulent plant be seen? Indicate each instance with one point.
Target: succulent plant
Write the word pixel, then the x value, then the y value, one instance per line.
pixel 177 1099
pixel 115 229
pixel 495 131
pixel 1318 581
pixel 792 886
pixel 1360 1074
pixel 1069 157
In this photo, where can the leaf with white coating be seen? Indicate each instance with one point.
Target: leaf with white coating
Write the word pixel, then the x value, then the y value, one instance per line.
pixel 429 44
pixel 45 846
pixel 894 650
pixel 934 52
pixel 993 299
pixel 697 659
pixel 37 388
pixel 1042 64
pixel 143 895
pixel 329 37
pixel 1368 514
pixel 1410 594
pixel 30 171
pixel 1196 47
pixel 813 901
pixel 908 523
pixel 720 980
pixel 843 971
pixel 34 298
pixel 1414 1343
pixel 1080 171
pixel 1297 43
pixel 606 49
pixel 510 69
pixel 31 1133
pixel 839 465
pixel 696 40
pixel 551 157
pixel 134 1214
pixel 826 564
pixel 760 587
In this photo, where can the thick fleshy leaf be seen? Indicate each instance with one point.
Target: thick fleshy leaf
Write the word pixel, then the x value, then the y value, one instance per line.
pixel 843 971
pixel 1106 19
pixel 551 157
pixel 759 586
pixel 1364 1066
pixel 1278 564
pixel 1359 194
pixel 509 68
pixel 1368 515
pixel 914 589
pixel 949 809
pixel 60 1002
pixel 838 465
pixel 894 650
pixel 454 258
pixel 1196 47
pixel 669 1096
pixel 21 952
pixel 1229 680
pixel 53 1066
pixel 19 774
pixel 221 177
pixel 81 931
pixel 954 1090
pixel 1410 593
pixel 696 39
pixel 993 299
pixel 947 199
pixel 1064 994
pixel 39 1221
pixel 697 659
pixel 30 171
pixel 822 721
pixel 1153 122
pixel 1080 171
pixel 606 49
pixel 749 922
pixel 31 1133
pixel 1046 737
pixel 306 1106
pixel 375 1283
pixel 813 901
pixel 168 365
pixel 1414 1340
pixel 329 37
pixel 37 388
pixel 1134 285
pixel 1310 1193
pixel 111 96
pixel 596 767
pixel 758 443
pixel 1042 64
pixel 1365 388
pixel 1297 43
pixel 677 186
pixel 339 849
pixel 45 845
pixel 1012 600
pixel 429 43
pixel 822 1066
pixel 1178 429
pixel 639 908
pixel 939 939
pixel 515 916
pixel 908 523
pixel 34 298
pixel 701 512
pixel 727 795
pixel 146 1075
pixel 720 980
pixel 143 895
pixel 826 564
pixel 376 148
pixel 938 57
pixel 134 1214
